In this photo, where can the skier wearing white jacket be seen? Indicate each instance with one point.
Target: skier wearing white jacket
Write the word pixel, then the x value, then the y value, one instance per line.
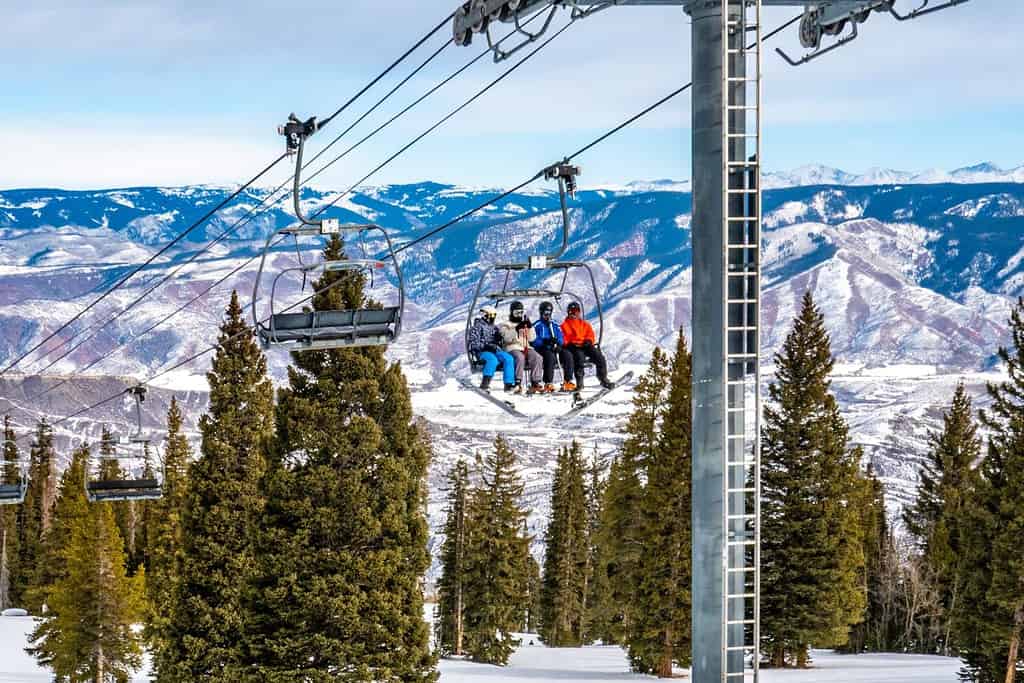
pixel 517 336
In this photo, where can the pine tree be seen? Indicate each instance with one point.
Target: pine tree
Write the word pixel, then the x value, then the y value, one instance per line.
pixel 533 587
pixel 944 484
pixel 564 582
pixel 660 631
pixel 87 635
pixel 143 514
pixel 127 513
pixel 11 581
pixel 343 543
pixel 37 512
pixel 451 601
pixel 496 556
pixel 991 619
pixel 599 609
pixel 166 541
pixel 621 536
pixel 223 502
pixel 870 501
pixel 70 508
pixel 812 542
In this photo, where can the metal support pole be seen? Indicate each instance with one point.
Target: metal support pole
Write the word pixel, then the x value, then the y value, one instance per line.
pixel 708 342
pixel 726 274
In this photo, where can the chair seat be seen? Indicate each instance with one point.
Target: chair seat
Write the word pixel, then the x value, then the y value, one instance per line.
pixel 355 324
pixel 10 492
pixel 122 484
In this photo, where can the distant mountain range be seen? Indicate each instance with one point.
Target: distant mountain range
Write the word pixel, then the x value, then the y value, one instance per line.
pixel 915 274
pixel 817 174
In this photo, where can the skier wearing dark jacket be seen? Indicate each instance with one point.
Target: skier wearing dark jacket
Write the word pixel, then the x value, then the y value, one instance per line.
pixel 485 343
pixel 549 343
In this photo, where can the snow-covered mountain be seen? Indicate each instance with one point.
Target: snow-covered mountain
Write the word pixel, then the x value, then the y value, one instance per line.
pixel 916 282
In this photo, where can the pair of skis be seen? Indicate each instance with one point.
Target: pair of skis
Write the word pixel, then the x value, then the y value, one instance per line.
pixel 579 403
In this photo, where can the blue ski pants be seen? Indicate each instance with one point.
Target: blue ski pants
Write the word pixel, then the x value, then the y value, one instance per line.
pixel 508 363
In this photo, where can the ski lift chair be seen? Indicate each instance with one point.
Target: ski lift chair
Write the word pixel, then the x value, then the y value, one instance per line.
pixel 332 329
pixel 129 488
pixel 13 493
pixel 565 174
pixel 557 296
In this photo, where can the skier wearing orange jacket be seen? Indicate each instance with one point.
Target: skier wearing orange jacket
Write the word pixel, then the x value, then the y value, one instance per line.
pixel 581 342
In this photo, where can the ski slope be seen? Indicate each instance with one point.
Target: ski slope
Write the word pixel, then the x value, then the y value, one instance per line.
pixel 580 665
pixel 602 664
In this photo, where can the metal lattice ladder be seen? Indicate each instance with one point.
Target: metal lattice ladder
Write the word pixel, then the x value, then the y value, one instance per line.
pixel 741 111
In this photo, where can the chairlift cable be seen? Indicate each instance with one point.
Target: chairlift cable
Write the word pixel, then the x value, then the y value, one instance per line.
pixel 586 148
pixel 234 271
pixel 444 119
pixel 213 347
pixel 388 70
pixel 146 263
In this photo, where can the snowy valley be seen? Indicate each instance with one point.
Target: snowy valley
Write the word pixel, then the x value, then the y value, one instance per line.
pixel 915 281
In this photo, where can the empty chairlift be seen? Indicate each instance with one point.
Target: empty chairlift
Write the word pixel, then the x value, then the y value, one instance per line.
pixel 327 329
pixel 126 485
pixel 13 492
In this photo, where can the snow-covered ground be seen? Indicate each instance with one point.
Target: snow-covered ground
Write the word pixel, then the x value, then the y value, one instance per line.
pixel 599 664
pixel 16 666
pixel 581 665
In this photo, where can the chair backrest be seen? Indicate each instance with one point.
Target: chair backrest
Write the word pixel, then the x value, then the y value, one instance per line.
pixel 11 493
pixel 122 484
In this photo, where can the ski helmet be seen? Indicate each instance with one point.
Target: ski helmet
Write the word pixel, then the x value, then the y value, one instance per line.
pixel 575 307
pixel 489 312
pixel 546 308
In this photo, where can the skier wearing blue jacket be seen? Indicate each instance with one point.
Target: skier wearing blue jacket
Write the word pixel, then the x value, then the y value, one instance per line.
pixel 550 344
pixel 484 343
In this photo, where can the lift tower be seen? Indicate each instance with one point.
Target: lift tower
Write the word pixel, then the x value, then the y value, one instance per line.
pixel 726 180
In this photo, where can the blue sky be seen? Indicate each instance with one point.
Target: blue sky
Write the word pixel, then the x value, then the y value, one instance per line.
pixel 106 93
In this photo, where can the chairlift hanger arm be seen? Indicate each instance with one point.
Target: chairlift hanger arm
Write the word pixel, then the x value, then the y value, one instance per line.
pixel 821 17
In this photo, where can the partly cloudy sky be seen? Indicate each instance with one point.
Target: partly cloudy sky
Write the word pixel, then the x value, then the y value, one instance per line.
pixel 114 93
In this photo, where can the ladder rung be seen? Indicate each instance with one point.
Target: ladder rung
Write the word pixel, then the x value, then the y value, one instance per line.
pixel 740 302
pixel 753 164
pixel 746 516
pixel 741 463
pixel 739 622
pixel 737 596
pixel 741 218
pixel 741 107
pixel 741 329
pixel 741 356
pixel 737 674
pixel 746 245
pixel 741 570
pixel 741 543
pixel 744 490
pixel 738 648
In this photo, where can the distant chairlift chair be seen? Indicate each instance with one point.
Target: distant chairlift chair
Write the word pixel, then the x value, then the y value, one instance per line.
pixel 141 488
pixel 332 329
pixel 13 493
